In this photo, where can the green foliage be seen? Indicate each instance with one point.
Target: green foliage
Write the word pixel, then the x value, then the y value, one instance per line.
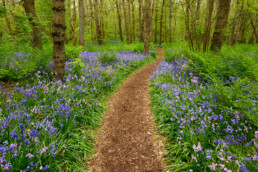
pixel 135 47
pixel 77 65
pixel 217 112
pixel 20 60
pixel 107 57
pixel 72 52
pixel 234 71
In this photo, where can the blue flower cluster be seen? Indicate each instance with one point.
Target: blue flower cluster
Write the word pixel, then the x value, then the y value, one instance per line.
pixel 45 124
pixel 203 134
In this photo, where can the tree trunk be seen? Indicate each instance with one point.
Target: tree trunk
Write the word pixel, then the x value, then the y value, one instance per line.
pixel 197 25
pixel 161 23
pixel 232 35
pixel 165 25
pixel 29 6
pixel 58 35
pixel 170 21
pixel 102 24
pixel 175 19
pixel 119 21
pixel 91 20
pixel 133 18
pixel 187 20
pixel 72 22
pixel 156 24
pixel 147 25
pixel 96 15
pixel 240 23
pixel 140 21
pixel 220 26
pixel 126 23
pixel 252 22
pixel 81 20
pixel 6 19
pixel 129 21
pixel 206 40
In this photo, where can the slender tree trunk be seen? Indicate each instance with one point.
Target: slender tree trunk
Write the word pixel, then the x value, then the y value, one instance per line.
pixel 156 24
pixel 170 21
pixel 234 22
pixel 129 21
pixel 102 24
pixel 174 30
pixel 126 23
pixel 161 23
pixel 252 22
pixel 239 26
pixel 147 25
pixel 187 20
pixel 58 34
pixel 206 40
pixel 81 20
pixel 119 21
pixel 220 26
pixel 243 28
pixel 72 22
pixel 133 18
pixel 96 15
pixel 91 20
pixel 29 6
pixel 140 22
pixel 7 19
pixel 197 25
pixel 164 36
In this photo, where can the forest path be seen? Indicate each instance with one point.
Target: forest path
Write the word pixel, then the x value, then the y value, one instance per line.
pixel 126 141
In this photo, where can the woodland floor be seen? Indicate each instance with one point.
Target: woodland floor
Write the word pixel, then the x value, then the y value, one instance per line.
pixel 127 141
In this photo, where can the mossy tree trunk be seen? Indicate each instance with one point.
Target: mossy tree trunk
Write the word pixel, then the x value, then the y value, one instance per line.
pixel 220 26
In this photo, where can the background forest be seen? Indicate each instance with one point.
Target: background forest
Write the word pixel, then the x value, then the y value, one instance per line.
pixel 203 95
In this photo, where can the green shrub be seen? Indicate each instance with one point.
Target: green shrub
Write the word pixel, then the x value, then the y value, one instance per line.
pixel 72 52
pixel 107 57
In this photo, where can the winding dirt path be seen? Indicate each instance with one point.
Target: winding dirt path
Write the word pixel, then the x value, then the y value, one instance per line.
pixel 126 141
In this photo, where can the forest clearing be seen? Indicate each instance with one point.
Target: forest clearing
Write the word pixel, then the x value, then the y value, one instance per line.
pixel 129 85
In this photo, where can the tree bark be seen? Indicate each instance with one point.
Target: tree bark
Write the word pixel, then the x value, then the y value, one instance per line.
pixel 240 23
pixel 161 23
pixel 206 40
pixel 29 6
pixel 234 22
pixel 91 20
pixel 220 26
pixel 170 21
pixel 81 20
pixel 252 22
pixel 58 35
pixel 147 25
pixel 119 21
pixel 72 22
pixel 140 21
pixel 187 20
pixel 129 21
pixel 96 15
pixel 133 18
pixel 197 25
pixel 126 23
pixel 156 25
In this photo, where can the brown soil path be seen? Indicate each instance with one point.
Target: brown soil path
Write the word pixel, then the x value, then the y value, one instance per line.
pixel 126 142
